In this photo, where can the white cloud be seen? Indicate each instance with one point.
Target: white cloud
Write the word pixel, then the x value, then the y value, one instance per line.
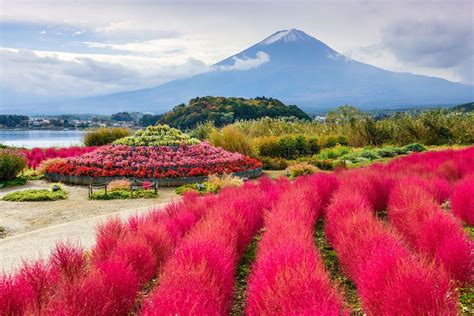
pixel 247 63
pixel 59 74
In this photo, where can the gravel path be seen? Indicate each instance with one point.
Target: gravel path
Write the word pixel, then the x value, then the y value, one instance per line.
pixel 37 244
pixel 21 217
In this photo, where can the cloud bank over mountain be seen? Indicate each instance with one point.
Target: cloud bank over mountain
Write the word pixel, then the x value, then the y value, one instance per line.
pixel 127 45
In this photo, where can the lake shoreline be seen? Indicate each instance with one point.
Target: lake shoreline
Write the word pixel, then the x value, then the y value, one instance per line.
pixel 31 138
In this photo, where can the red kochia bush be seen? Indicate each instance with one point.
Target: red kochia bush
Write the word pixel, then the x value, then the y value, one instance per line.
pixel 36 155
pixel 288 276
pixel 462 200
pixel 199 278
pixel 390 281
pixel 414 212
pixel 109 289
pixel 28 292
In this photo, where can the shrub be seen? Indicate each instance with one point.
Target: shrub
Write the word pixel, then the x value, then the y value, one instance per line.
pixel 416 214
pixel 202 188
pixel 121 194
pixel 462 200
pixel 300 169
pixel 329 142
pixel 369 154
pixel 37 195
pixel 415 147
pixel 104 136
pixel 274 163
pixel 323 164
pixel 202 131
pixel 288 276
pixel 12 162
pixel 36 155
pixel 160 135
pixel 288 147
pixel 333 153
pixel 21 180
pixel 388 151
pixel 117 185
pixel 389 279
pixel 231 139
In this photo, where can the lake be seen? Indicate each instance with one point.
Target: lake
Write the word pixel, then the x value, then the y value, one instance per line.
pixel 30 139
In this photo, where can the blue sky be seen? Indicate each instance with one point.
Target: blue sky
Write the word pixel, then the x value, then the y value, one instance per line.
pixel 54 49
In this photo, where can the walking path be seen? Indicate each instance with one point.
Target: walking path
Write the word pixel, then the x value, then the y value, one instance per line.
pixel 38 243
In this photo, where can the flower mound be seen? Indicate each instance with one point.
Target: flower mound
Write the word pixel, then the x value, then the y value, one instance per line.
pixel 161 135
pixel 155 162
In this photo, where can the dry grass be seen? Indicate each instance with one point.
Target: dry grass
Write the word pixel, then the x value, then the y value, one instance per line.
pixel 225 180
pixel 302 168
pixel 116 185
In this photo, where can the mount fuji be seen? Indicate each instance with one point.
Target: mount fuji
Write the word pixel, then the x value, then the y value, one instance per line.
pixel 297 69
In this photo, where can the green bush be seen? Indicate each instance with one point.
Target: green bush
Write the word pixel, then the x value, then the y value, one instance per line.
pixel 387 152
pixel 37 195
pixel 288 147
pixel 22 180
pixel 323 164
pixel 415 147
pixel 104 136
pixel 333 153
pixel 300 169
pixel 202 131
pixel 123 195
pixel 329 142
pixel 201 188
pixel 12 162
pixel 273 163
pixel 369 154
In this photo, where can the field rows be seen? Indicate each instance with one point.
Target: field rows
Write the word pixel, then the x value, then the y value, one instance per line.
pixel 386 239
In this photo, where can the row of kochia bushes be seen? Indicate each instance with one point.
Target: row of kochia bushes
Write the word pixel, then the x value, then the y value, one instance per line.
pixel 401 267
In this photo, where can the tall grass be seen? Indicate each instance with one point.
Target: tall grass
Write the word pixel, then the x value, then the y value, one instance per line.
pixel 104 136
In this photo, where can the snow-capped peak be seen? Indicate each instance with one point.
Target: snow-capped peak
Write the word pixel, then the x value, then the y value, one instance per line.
pixel 291 35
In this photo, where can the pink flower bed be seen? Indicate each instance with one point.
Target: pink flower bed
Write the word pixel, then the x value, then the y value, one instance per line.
pixel 155 162
pixel 36 155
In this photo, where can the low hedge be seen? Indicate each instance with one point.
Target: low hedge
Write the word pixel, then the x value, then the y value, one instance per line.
pixel 123 195
pixel 22 180
pixel 201 188
pixel 37 195
pixel 288 147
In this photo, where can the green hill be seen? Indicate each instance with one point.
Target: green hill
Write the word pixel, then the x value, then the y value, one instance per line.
pixel 467 107
pixel 222 111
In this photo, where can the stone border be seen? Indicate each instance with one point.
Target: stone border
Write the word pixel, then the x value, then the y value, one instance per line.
pixel 162 182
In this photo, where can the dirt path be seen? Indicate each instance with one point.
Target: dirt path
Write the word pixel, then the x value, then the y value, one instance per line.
pixel 20 217
pixel 38 244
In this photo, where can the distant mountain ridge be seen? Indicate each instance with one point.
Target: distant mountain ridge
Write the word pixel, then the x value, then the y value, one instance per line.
pixel 295 68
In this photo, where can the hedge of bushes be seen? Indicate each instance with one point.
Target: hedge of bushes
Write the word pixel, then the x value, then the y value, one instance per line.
pixel 55 192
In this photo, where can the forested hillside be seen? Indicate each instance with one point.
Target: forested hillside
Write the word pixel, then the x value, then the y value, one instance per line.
pixel 222 111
